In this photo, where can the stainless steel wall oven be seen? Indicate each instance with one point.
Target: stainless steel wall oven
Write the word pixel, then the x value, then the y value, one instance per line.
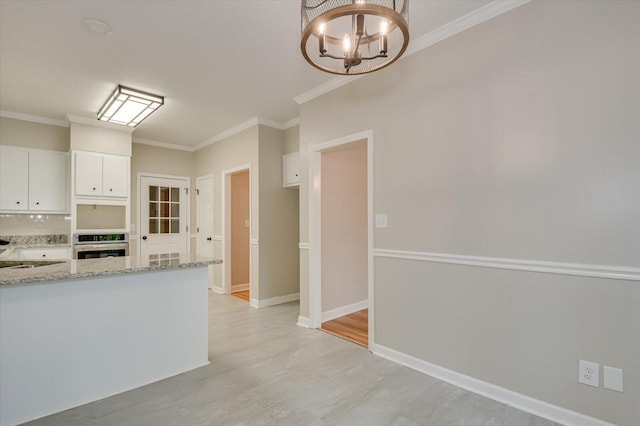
pixel 94 246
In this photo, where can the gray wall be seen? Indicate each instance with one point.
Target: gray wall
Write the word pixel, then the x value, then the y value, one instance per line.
pixel 279 259
pixel 517 138
pixel 33 135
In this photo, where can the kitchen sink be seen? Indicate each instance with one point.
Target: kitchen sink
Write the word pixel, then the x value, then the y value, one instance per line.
pixel 27 264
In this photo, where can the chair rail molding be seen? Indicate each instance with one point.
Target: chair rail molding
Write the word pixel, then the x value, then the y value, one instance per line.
pixel 585 270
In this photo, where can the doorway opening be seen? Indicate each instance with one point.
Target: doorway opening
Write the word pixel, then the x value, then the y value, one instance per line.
pixel 237 232
pixel 341 238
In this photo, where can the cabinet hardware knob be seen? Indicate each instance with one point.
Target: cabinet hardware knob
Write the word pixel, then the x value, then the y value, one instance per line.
pixel 144 237
pixel 94 189
pixel 209 239
pixel 37 203
pixel 17 202
pixel 44 255
pixel 110 189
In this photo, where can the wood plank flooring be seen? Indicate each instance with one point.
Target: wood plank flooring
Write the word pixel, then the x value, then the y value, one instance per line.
pixel 353 327
pixel 243 294
pixel 266 370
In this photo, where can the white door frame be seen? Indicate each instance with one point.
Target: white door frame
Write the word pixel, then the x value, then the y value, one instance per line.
pixel 139 205
pixel 315 221
pixel 225 181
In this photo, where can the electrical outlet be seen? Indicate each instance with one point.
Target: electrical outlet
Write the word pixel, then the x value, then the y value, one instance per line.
pixel 589 373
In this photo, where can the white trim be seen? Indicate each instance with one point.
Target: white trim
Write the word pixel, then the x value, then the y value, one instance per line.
pixel 253 303
pixel 186 179
pixel 97 123
pixel 447 30
pixel 303 246
pixel 217 238
pixel 291 123
pixel 33 118
pixel 227 133
pixel 471 19
pixel 239 287
pixel 315 215
pixel 344 310
pixel 254 241
pixel 262 303
pixel 522 402
pixel 244 126
pixel 225 205
pixel 216 289
pixel 584 270
pixel 193 236
pixel 303 322
pixel 162 144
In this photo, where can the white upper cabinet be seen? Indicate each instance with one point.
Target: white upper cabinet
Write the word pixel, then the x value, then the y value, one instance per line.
pixel 47 180
pixel 115 176
pixel 101 175
pixel 14 178
pixel 291 169
pixel 33 180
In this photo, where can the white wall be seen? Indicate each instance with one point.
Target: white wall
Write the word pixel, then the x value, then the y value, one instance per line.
pixel 344 226
pixel 516 139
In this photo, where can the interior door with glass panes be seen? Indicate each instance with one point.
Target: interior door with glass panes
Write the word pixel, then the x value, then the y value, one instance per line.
pixel 163 215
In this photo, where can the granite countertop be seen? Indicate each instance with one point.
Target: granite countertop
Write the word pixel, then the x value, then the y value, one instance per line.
pixel 88 268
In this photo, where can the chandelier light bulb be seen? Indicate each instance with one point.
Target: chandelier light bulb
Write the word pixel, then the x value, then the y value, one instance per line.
pixel 346 43
pixel 322 28
pixel 384 27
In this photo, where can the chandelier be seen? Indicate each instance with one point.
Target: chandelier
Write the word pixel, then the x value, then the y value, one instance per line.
pixel 350 37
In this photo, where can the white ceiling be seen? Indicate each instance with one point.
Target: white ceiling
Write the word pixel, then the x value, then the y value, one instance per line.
pixel 218 63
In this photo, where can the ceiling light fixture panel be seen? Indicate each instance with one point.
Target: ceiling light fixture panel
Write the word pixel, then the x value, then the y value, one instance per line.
pixel 129 106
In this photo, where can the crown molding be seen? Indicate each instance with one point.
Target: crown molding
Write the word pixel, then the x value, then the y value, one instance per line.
pixel 33 118
pixel 76 119
pixel 247 125
pixel 159 144
pixel 471 19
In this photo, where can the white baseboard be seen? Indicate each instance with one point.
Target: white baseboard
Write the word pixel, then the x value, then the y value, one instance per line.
pixel 304 322
pixel 216 289
pixel 344 310
pixel 522 402
pixel 256 303
pixel 239 287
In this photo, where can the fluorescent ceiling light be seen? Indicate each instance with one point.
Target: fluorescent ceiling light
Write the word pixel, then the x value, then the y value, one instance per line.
pixel 128 106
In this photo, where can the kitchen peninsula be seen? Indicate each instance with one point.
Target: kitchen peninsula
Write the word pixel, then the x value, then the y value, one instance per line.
pixel 81 330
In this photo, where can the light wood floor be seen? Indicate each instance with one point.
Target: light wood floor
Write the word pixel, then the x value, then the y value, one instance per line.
pixel 266 370
pixel 353 327
pixel 244 294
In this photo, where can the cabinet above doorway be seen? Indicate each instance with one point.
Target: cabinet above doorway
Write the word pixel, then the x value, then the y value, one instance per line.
pixel 291 170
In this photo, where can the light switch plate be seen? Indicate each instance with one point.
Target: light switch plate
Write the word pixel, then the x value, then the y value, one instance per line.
pixel 613 378
pixel 381 220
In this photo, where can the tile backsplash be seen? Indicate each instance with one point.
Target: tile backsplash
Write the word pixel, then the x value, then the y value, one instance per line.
pixel 35 224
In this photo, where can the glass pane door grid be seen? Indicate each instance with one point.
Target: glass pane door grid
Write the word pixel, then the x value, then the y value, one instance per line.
pixel 164 210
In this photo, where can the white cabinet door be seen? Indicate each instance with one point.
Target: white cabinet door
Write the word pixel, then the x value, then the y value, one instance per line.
pixel 47 181
pixel 14 178
pixel 115 176
pixel 291 169
pixel 88 176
